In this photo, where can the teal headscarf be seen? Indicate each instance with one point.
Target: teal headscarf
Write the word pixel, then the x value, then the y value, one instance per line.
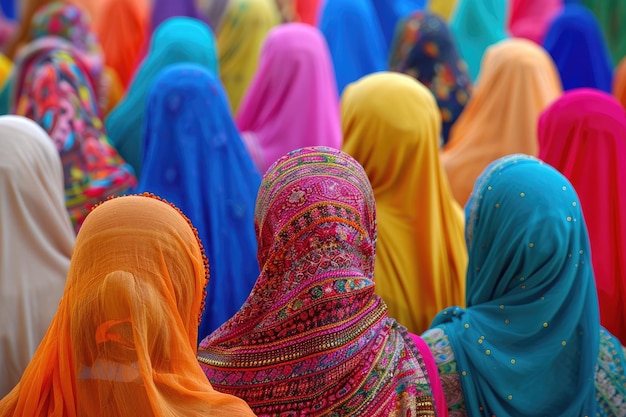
pixel 528 342
pixel 176 40
pixel 475 25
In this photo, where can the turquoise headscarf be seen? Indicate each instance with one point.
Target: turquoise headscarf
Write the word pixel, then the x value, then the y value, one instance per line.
pixel 528 342
pixel 176 40
pixel 475 25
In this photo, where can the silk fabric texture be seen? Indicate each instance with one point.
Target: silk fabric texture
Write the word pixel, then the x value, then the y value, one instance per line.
pixel 578 49
pixel 421 255
pixel 355 39
pixel 424 49
pixel 123 340
pixel 527 343
pixel 292 101
pixel 313 338
pixel 36 242
pixel 585 132
pixel 194 157
pixel 493 125
pixel 530 19
pixel 241 34
pixel 178 39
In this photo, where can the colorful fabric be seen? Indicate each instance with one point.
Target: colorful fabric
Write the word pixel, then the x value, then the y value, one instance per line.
pixel 213 10
pixel 619 82
pixel 8 8
pixel 166 9
pixel 442 8
pixel 308 11
pixel 123 341
pixel 55 92
pixel 355 39
pixel 531 19
pixel 528 285
pixel 476 25
pixel 425 50
pixel 575 42
pixel 292 101
pixel 421 252
pixel 194 157
pixel 240 36
pixel 389 13
pixel 313 339
pixel 492 124
pixel 179 39
pixel 35 243
pixel 582 132
pixel 611 14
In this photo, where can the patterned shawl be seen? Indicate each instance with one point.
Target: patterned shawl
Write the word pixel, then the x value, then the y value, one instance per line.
pixel 313 339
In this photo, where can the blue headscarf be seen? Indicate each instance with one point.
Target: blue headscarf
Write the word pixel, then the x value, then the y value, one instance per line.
pixel 577 46
pixel 390 12
pixel 194 157
pixel 354 39
pixel 528 342
pixel 178 39
pixel 8 8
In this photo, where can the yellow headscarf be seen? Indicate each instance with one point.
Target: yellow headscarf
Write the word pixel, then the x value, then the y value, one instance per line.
pixel 6 65
pixel 391 125
pixel 239 39
pixel 442 8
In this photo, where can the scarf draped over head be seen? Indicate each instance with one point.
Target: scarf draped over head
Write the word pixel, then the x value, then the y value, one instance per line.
pixel 313 338
pixel 292 101
pixel 529 284
pixel 195 158
pixel 421 255
pixel 123 341
pixel 35 243
pixel 424 49
pixel 55 92
pixel 177 40
pixel 389 13
pixel 493 125
pixel 581 133
pixel 530 19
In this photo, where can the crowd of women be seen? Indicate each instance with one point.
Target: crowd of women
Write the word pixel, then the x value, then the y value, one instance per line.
pixel 313 208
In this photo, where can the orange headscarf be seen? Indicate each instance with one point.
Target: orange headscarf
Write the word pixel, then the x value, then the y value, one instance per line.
pixel 619 82
pixel 518 80
pixel 123 341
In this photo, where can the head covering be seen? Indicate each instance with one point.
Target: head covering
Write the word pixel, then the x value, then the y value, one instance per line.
pixel 165 9
pixel 239 39
pixel 389 12
pixel 313 338
pixel 531 19
pixel 424 49
pixel 442 8
pixel 421 254
pixel 54 91
pixel 292 101
pixel 355 40
pixel 493 125
pixel 585 132
pixel 611 14
pixel 576 44
pixel 5 68
pixel 213 11
pixel 619 82
pixel 8 8
pixel 91 7
pixel 35 243
pixel 195 158
pixel 477 24
pixel 122 42
pixel 123 341
pixel 179 39
pixel 308 10
pixel 527 343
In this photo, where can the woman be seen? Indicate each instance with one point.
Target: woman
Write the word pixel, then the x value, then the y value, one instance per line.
pixel 424 49
pixel 124 338
pixel 239 39
pixel 531 19
pixel 494 125
pixel 577 46
pixel 313 339
pixel 194 157
pixel 421 253
pixel 585 132
pixel 528 342
pixel 476 25
pixel 179 39
pixel 292 101
pixel 355 40
pixel 35 244
pixel 54 91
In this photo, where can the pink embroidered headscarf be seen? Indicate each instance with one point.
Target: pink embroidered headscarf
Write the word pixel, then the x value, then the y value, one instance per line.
pixel 583 135
pixel 531 19
pixel 292 101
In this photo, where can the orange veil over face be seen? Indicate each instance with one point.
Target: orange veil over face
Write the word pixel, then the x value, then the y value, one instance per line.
pixel 123 341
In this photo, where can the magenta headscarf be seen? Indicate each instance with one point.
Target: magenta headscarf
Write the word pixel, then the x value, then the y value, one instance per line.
pixel 292 101
pixel 531 19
